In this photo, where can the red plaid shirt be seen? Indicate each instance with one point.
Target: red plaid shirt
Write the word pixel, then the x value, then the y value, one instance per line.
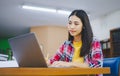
pixel 66 50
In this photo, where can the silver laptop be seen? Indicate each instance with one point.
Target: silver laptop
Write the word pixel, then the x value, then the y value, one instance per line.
pixel 27 51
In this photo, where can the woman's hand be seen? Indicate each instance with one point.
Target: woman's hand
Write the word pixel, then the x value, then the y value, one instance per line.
pixel 68 64
pixel 80 65
pixel 61 64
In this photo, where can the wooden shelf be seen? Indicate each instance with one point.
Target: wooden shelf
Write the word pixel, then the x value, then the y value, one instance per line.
pixel 115 42
pixel 105 44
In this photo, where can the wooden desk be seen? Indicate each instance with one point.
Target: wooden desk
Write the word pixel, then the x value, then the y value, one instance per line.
pixel 52 71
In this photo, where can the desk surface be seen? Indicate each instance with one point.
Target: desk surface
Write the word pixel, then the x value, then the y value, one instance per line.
pixel 52 71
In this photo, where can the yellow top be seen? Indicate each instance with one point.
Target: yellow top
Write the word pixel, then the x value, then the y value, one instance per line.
pixel 77 47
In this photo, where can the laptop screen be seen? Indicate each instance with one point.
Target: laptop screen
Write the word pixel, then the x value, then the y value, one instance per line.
pixel 27 51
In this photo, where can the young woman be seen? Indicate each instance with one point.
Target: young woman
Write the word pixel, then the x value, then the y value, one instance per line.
pixel 81 49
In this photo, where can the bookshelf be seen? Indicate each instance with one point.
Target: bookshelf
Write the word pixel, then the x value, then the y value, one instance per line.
pixel 105 44
pixel 115 42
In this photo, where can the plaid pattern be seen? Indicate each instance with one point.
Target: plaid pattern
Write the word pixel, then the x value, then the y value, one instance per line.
pixel 66 50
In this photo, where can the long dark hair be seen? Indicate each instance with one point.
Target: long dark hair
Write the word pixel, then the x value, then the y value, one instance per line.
pixel 87 34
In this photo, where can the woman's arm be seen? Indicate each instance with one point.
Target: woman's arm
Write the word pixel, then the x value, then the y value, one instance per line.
pixel 96 55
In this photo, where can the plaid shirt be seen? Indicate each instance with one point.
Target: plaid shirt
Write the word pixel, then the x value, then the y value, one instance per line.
pixel 66 50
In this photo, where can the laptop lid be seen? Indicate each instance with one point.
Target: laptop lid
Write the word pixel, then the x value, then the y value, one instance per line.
pixel 27 51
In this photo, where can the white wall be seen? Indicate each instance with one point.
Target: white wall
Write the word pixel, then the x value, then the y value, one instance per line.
pixel 101 26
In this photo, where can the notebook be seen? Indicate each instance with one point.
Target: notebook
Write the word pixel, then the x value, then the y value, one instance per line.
pixel 27 51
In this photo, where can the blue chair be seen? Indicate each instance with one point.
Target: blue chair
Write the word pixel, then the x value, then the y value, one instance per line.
pixel 114 64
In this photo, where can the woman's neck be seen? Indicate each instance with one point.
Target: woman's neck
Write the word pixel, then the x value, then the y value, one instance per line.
pixel 77 38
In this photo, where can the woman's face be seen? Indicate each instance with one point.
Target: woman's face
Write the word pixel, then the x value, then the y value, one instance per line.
pixel 74 25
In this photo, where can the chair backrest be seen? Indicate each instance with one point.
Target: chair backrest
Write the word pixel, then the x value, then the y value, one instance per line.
pixel 114 64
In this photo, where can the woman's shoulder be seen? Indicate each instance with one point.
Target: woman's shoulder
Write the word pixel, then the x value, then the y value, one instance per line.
pixel 95 39
pixel 96 42
pixel 67 42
